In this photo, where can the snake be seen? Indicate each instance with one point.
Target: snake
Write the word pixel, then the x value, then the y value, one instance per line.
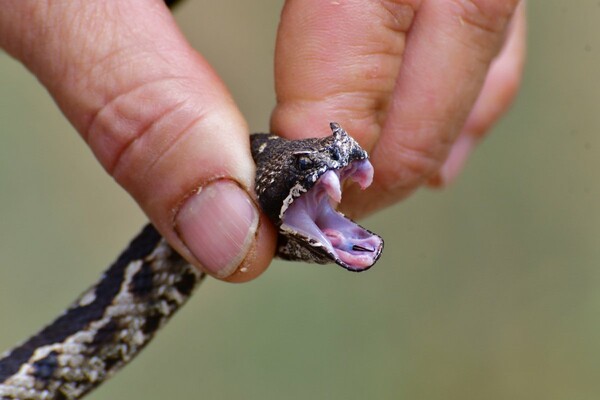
pixel 298 185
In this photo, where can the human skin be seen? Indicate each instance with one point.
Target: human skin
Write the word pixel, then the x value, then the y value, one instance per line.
pixel 418 83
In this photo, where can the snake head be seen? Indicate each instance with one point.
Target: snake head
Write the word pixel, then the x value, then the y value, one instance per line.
pixel 299 185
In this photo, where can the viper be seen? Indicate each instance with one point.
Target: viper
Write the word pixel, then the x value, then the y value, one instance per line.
pixel 298 185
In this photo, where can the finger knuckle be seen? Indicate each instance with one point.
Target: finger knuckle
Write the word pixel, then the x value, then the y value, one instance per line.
pixel 418 164
pixel 135 128
pixel 489 16
pixel 415 160
pixel 399 14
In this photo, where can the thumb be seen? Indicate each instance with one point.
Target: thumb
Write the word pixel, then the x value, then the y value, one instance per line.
pixel 158 119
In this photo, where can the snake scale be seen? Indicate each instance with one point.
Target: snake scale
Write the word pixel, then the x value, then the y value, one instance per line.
pixel 298 184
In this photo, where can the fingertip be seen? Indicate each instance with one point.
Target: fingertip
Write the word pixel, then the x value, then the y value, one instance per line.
pixel 260 254
pixel 225 233
pixel 338 61
pixel 217 224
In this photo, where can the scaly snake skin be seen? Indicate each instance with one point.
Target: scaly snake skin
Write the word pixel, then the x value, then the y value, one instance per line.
pixel 110 323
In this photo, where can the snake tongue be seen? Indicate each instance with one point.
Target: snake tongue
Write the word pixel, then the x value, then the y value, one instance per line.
pixel 313 216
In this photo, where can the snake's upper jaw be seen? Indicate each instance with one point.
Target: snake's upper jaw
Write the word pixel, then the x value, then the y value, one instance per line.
pixel 333 237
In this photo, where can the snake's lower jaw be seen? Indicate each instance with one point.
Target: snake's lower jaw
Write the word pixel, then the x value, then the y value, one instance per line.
pixel 312 218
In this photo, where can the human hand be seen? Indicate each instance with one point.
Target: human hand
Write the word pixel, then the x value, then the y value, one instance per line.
pixel 156 116
pixel 417 83
pixel 163 125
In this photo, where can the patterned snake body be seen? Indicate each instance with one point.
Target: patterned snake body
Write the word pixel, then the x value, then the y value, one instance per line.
pixel 297 183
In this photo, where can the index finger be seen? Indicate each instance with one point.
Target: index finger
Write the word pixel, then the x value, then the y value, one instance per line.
pixel 338 61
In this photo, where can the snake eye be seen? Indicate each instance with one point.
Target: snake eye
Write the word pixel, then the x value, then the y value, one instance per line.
pixel 303 161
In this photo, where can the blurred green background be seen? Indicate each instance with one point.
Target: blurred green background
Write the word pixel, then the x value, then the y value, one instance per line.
pixel 487 290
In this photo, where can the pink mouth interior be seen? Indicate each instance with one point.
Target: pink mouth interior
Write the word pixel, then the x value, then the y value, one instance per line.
pixel 313 214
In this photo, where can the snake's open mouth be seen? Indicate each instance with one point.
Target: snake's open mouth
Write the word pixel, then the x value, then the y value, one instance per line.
pixel 313 215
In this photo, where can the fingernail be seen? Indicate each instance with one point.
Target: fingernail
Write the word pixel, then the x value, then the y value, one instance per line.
pixel 218 225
